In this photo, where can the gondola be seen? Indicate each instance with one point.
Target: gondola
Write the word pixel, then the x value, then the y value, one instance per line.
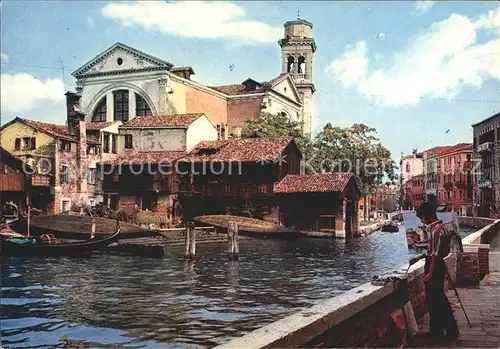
pixel 37 246
pixel 251 227
pixel 390 228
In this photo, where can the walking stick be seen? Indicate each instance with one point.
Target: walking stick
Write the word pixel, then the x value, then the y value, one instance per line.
pixel 456 294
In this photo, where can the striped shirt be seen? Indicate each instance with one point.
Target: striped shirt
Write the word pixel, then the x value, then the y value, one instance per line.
pixel 440 235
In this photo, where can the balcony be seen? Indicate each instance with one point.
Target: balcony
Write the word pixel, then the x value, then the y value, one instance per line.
pixel 301 76
pixel 485 147
pixel 461 184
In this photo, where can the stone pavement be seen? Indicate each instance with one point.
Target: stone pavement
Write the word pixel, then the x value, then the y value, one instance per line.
pixel 482 305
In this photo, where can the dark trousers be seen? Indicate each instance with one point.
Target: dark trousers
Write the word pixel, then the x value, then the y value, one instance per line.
pixel 441 314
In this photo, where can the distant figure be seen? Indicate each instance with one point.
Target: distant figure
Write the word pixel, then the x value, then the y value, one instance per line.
pixel 440 237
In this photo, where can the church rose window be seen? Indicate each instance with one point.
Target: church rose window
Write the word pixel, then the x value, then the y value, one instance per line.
pixel 121 105
pixel 100 111
pixel 141 107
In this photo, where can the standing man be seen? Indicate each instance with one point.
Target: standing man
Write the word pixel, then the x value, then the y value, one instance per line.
pixel 442 323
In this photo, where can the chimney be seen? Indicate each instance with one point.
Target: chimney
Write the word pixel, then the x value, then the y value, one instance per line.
pixel 77 128
pixel 72 109
pixel 237 132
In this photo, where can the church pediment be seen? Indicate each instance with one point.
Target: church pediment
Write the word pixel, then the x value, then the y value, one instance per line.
pixel 121 58
pixel 285 86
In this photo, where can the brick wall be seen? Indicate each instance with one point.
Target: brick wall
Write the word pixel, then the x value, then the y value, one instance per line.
pixel 483 262
pixel 241 109
pixel 214 107
pixel 468 269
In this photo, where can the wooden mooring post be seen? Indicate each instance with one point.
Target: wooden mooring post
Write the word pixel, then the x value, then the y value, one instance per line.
pixel 190 241
pixel 232 237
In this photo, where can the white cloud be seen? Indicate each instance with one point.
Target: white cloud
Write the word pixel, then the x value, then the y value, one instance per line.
pixel 4 57
pixel 490 21
pixel 20 92
pixel 200 19
pixel 424 6
pixel 90 22
pixel 440 63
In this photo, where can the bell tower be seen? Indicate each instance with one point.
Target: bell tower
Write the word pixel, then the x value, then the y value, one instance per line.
pixel 297 57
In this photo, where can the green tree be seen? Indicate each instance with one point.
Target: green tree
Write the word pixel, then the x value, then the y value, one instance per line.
pixel 354 149
pixel 276 125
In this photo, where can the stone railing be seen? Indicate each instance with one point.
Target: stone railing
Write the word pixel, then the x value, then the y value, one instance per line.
pixel 474 262
pixel 367 309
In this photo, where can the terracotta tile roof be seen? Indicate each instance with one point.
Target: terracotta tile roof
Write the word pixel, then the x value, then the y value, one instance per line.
pixel 159 121
pixel 460 147
pixel 137 158
pixel 240 89
pixel 96 126
pixel 242 150
pixel 314 183
pixel 234 90
pixel 54 130
pixel 276 79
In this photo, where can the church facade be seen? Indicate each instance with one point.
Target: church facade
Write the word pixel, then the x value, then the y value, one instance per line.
pixel 123 82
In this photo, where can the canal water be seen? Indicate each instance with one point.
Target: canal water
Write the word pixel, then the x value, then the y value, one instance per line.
pixel 134 302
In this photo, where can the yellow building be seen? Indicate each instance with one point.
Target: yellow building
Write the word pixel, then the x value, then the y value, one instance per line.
pixel 51 153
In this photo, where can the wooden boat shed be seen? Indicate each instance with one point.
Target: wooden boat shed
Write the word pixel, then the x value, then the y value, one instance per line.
pixel 320 203
pixel 15 181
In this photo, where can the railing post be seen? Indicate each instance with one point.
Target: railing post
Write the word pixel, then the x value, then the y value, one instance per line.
pixel 190 242
pixel 232 235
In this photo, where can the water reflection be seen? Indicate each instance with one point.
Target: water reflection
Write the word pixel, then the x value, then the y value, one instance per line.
pixel 172 302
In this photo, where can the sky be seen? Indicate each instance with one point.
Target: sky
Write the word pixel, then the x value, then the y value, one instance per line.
pixel 421 73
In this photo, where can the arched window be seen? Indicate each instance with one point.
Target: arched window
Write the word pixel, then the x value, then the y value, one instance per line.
pixel 121 105
pixel 290 64
pixel 141 107
pixel 285 114
pixel 302 65
pixel 100 112
pixel 407 167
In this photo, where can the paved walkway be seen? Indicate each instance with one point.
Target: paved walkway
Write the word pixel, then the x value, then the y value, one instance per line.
pixel 482 305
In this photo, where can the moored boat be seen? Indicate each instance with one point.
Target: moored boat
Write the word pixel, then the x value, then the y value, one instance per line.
pixel 249 226
pixel 390 228
pixel 78 227
pixel 17 245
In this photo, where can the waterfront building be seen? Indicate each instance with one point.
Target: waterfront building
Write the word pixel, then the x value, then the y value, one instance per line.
pixel 455 182
pixel 486 169
pixel 410 166
pixel 15 181
pixel 430 170
pixel 386 198
pixel 325 202
pixel 123 82
pixel 236 176
pixel 144 175
pixel 63 157
pixel 414 192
